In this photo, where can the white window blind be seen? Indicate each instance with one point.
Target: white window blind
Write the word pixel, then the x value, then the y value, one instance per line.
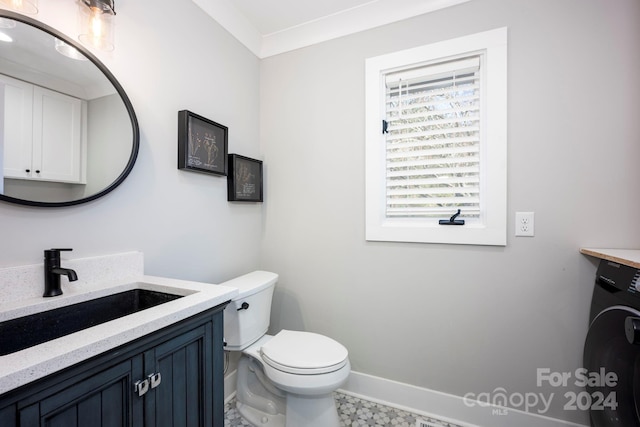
pixel 433 140
pixel 444 108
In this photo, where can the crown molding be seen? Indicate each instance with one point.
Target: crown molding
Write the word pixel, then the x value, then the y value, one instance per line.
pixel 369 15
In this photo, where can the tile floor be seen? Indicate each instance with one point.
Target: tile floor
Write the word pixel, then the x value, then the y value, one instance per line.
pixel 356 412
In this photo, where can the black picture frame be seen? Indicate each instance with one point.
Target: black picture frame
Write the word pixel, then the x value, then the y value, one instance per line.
pixel 202 144
pixel 244 181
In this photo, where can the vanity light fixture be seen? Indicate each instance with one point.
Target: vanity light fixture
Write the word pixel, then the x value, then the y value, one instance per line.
pixel 96 23
pixel 29 7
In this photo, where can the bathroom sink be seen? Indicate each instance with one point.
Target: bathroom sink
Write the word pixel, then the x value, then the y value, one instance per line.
pixel 24 332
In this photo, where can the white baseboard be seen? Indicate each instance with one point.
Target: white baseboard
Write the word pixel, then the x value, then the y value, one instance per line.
pixel 430 403
pixel 443 406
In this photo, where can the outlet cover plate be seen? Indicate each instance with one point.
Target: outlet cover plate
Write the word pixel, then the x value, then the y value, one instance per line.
pixel 525 224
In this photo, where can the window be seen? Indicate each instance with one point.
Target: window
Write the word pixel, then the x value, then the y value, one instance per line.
pixel 436 142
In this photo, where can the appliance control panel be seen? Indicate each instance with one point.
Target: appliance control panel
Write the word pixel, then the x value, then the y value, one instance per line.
pixel 618 276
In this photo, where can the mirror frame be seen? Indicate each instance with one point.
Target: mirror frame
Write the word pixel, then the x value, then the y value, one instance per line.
pixel 125 99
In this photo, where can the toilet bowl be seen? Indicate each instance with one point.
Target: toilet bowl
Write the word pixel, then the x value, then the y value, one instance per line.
pixel 286 379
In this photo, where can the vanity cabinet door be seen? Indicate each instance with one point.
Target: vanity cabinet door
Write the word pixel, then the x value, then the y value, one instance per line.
pixel 103 399
pixel 9 416
pixel 188 390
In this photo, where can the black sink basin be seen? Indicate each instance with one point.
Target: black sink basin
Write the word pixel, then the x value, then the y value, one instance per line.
pixel 24 332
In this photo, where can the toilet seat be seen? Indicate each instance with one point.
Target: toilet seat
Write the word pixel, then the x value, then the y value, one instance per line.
pixel 304 353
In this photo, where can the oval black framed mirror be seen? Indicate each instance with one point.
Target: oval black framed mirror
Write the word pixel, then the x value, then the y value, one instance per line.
pixel 68 131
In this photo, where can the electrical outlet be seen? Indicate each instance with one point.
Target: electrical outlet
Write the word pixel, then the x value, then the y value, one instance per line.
pixel 524 224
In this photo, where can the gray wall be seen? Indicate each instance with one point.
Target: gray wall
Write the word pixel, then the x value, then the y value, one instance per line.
pixel 108 141
pixel 169 56
pixel 459 319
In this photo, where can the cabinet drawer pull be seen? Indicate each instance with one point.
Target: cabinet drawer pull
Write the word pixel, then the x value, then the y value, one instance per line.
pixel 141 387
pixel 155 379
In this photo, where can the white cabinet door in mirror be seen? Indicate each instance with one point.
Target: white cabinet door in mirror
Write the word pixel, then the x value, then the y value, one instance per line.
pixel 18 127
pixel 44 134
pixel 58 128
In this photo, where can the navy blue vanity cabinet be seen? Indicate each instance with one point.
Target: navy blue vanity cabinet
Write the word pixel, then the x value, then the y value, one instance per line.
pixel 172 377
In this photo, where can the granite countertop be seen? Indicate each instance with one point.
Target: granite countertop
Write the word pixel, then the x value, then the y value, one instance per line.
pixel 24 366
pixel 630 257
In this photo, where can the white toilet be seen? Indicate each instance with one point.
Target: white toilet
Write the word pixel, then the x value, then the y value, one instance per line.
pixel 283 380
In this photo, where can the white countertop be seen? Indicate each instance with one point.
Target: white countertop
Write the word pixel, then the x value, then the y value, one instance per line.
pixel 22 367
pixel 630 257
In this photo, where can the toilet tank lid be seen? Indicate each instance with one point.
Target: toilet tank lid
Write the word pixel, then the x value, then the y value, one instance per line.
pixel 252 283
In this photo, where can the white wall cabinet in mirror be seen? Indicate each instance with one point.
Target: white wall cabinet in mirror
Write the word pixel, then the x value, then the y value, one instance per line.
pixel 44 134
pixel 17 124
pixel 72 118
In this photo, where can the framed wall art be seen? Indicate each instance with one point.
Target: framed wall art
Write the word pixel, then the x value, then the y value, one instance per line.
pixel 244 181
pixel 202 144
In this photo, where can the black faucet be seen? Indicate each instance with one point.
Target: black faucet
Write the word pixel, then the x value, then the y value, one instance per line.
pixel 52 272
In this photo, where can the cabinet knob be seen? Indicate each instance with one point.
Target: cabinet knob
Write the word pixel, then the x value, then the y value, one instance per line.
pixel 37 171
pixel 27 170
pixel 155 379
pixel 141 387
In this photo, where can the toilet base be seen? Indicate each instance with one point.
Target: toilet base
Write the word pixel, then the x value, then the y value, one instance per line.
pixel 263 405
pixel 301 412
pixel 257 400
pixel 258 418
pixel 311 411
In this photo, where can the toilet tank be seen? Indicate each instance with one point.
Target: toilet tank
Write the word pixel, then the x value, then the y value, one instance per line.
pixel 247 316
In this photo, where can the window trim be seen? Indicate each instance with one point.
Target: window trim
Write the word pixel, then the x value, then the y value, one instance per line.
pixel 493 228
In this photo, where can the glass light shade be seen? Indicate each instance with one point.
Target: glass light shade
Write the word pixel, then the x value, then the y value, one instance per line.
pixel 96 27
pixel 29 7
pixel 7 23
pixel 68 50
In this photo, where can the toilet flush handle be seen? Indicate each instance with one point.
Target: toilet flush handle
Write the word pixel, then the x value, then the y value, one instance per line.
pixel 244 306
